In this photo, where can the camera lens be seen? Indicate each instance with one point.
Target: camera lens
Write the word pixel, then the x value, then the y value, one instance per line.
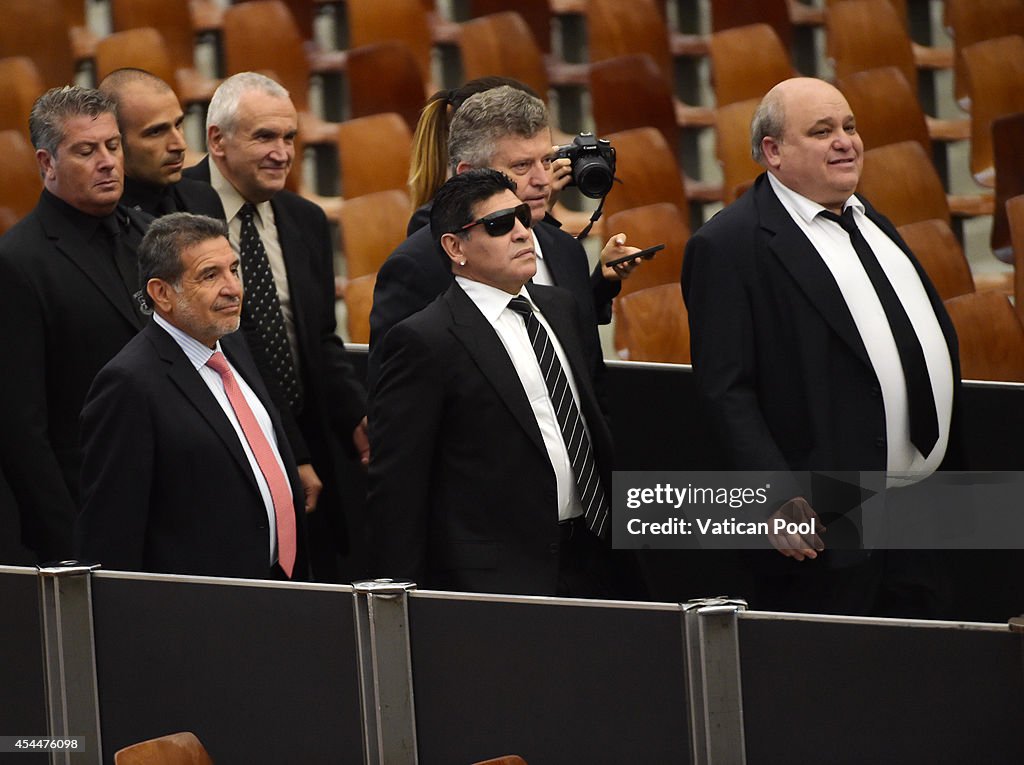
pixel 592 176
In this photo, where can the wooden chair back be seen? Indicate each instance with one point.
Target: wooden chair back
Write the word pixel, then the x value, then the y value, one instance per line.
pixel 645 226
pixel 1008 162
pixel 142 48
pixel 732 148
pixel 22 85
pixel 652 325
pixel 358 302
pixel 405 21
pixel 173 749
pixel 647 172
pixel 171 17
pixel 21 185
pixel 614 31
pixel 746 62
pixel 536 14
pixel 995 84
pixel 728 14
pixel 972 21
pixel 1015 221
pixel 902 183
pixel 384 77
pixel 372 226
pixel 887 110
pixel 502 44
pixel 630 92
pixel 990 336
pixel 867 34
pixel 39 30
pixel 941 255
pixel 373 154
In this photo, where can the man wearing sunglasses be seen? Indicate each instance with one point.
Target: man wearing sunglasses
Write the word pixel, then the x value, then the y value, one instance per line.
pixel 491 458
pixel 506 129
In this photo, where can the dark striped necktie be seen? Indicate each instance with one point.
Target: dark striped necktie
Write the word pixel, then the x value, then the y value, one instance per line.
pixel 577 443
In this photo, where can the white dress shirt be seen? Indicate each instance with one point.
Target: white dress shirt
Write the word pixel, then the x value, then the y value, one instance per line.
pixel 199 354
pixel 511 330
pixel 904 463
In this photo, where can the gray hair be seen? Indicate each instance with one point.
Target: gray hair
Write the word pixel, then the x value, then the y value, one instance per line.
pixel 223 109
pixel 55 107
pixel 165 240
pixel 488 117
pixel 769 121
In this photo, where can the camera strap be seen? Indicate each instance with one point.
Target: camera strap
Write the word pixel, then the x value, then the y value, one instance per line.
pixel 593 219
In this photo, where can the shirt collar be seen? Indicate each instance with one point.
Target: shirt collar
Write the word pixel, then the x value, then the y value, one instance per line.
pixel 800 205
pixel 196 352
pixel 231 200
pixel 490 300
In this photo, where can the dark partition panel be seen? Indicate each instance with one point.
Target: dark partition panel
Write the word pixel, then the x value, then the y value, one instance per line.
pixel 260 674
pixel 552 683
pixel 22 678
pixel 863 693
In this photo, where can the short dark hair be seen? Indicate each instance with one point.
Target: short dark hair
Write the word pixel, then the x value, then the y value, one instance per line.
pixel 165 240
pixel 55 107
pixel 454 201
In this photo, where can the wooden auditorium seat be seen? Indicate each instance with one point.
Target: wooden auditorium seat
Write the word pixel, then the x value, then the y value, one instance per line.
pixel 508 759
pixel 173 749
pixel 972 21
pixel 888 111
pixel 646 226
pixel 384 77
pixel 39 30
pixel 990 336
pixel 405 21
pixel 652 325
pixel 358 302
pixel 629 92
pixel 747 62
pixel 21 184
pixel 729 14
pixel 502 44
pixel 995 85
pixel 732 148
pixel 867 34
pixel 372 226
pixel 902 183
pixel 940 254
pixel 373 154
pixel 22 85
pixel 1015 222
pixel 646 173
pixel 1008 162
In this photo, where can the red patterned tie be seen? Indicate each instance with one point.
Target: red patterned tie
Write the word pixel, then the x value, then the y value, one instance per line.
pixel 261 449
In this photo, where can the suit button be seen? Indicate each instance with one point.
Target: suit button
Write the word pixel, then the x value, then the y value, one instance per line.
pixel 880 442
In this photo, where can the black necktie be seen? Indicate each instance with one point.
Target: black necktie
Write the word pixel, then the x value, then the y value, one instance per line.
pixel 924 421
pixel 264 307
pixel 584 467
pixel 125 260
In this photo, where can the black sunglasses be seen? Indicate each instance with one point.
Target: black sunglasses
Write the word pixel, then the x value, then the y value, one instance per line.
pixel 500 222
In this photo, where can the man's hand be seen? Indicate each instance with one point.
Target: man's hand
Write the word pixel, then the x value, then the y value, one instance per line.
pixel 311 486
pixel 361 440
pixel 561 174
pixel 616 248
pixel 791 543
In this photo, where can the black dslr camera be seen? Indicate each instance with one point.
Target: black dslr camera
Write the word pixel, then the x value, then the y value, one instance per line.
pixel 593 164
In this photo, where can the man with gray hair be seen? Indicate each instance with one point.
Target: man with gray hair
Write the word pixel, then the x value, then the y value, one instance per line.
pixel 504 129
pixel 287 262
pixel 184 398
pixel 69 301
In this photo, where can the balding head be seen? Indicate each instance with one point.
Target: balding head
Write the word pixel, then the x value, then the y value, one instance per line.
pixel 804 133
pixel 151 122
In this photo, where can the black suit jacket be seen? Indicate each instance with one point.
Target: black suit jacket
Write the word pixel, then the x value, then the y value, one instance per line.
pixel 417 272
pixel 334 401
pixel 462 493
pixel 775 349
pixel 64 313
pixel 187 195
pixel 166 485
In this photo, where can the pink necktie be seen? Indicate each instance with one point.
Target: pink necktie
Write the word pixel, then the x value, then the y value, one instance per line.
pixel 261 449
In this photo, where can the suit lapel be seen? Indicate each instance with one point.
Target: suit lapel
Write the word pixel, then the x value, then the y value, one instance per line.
pixel 556 265
pixel 293 250
pixel 798 256
pixel 68 242
pixel 184 375
pixel 485 348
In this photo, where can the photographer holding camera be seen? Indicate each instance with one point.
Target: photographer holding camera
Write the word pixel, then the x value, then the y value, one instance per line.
pixel 507 129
